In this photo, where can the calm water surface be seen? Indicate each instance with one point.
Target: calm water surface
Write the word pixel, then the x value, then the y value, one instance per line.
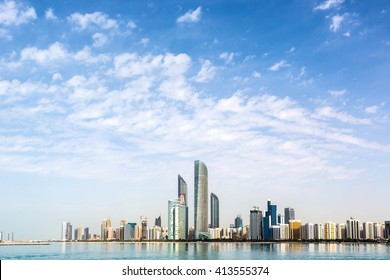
pixel 197 251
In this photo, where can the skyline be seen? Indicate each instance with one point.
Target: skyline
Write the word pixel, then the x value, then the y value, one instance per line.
pixel 102 105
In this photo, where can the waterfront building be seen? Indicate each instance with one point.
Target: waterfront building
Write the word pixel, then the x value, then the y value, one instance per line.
pixel 330 231
pixel 284 232
pixel 378 230
pixel 215 233
pixel 353 229
pixel 341 232
pixel 80 232
pixel 110 233
pixel 182 189
pixel 104 226
pixel 295 230
pixel 177 219
pixel 245 233
pixel 144 228
pixel 265 226
pixel 319 231
pixel 272 212
pixel 289 214
pixel 63 231
pixel 157 222
pixel 86 234
pixel 281 219
pixel 138 233
pixel 129 231
pixel 308 231
pixel 387 229
pixel 274 232
pixel 368 231
pixel 214 211
pixel 155 233
pixel 255 218
pixel 66 233
pixel 200 200
pixel 238 222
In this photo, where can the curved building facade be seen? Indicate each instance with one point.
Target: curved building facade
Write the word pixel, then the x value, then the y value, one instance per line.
pixel 182 189
pixel 214 211
pixel 201 199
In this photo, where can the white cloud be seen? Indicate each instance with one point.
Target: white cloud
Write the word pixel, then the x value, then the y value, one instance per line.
pixel 131 24
pixel 206 73
pixel 101 20
pixel 49 14
pixel 57 77
pixel 15 13
pixel 4 33
pixel 372 109
pixel 336 22
pixel 99 40
pixel 145 41
pixel 347 34
pixel 227 57
pixel 190 16
pixel 328 4
pixel 55 52
pixel 256 74
pixel 338 93
pixel 331 113
pixel 278 65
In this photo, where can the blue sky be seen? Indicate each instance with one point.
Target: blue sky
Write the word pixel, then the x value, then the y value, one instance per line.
pixel 103 103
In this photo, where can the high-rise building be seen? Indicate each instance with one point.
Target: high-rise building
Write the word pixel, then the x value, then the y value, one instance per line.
pixel 201 200
pixel 308 231
pixel 214 211
pixel 341 232
pixel 104 226
pixel 144 229
pixel 353 229
pixel 158 221
pixel 330 231
pixel 177 219
pixel 281 219
pixel 182 189
pixel 238 222
pixel 86 233
pixel 129 231
pixel 319 231
pixel 368 231
pixel 387 229
pixel 80 232
pixel 271 211
pixel 289 214
pixel 63 231
pixel 295 230
pixel 255 221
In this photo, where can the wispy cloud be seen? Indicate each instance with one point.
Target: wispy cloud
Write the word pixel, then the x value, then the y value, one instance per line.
pixel 338 93
pixel 328 4
pixel 101 20
pixel 278 65
pixel 49 14
pixel 337 20
pixel 206 73
pixel 15 13
pixel 228 57
pixel 190 16
pixel 331 113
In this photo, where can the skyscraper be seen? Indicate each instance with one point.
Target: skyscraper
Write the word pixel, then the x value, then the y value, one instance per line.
pixel 177 219
pixel 201 200
pixel 255 218
pixel 214 211
pixel 238 222
pixel 353 229
pixel 158 221
pixel 289 214
pixel 182 189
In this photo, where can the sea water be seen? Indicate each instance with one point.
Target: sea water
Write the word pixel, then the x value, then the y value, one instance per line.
pixel 196 251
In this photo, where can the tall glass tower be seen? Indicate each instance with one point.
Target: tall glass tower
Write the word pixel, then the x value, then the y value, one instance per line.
pixel 201 199
pixel 255 218
pixel 182 189
pixel 177 219
pixel 214 212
